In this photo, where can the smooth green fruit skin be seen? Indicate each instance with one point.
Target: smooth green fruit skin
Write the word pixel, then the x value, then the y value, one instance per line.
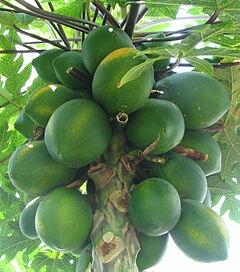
pixel 32 170
pixel 201 233
pixel 203 142
pixel 154 207
pixel 184 174
pixel 159 64
pixel 157 118
pixel 208 200
pixel 152 250
pixel 25 125
pixel 45 100
pixel 201 98
pixel 64 219
pixel 129 97
pixel 27 219
pixel 85 259
pixel 100 42
pixel 65 61
pixel 77 133
pixel 44 67
pixel 27 198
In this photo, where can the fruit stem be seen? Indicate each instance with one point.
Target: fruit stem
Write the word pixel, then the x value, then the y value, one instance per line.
pixel 122 118
pixel 191 153
pixel 79 75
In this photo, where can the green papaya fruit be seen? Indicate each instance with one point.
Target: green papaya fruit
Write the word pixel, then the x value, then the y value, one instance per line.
pixel 154 207
pixel 25 125
pixel 159 64
pixel 45 100
pixel 201 141
pixel 44 67
pixel 32 170
pixel 27 219
pixel 152 250
pixel 201 98
pixel 156 119
pixel 69 59
pixel 100 42
pixel 79 250
pixel 85 260
pixel 64 219
pixel 27 198
pixel 201 233
pixel 184 174
pixel 78 133
pixel 106 82
pixel 207 200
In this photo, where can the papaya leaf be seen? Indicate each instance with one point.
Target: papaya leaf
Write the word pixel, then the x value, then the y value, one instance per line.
pixel 156 11
pixel 231 204
pixel 164 52
pixel 229 137
pixel 53 261
pixel 201 65
pixel 73 9
pixel 19 19
pixel 11 245
pixel 135 72
pixel 217 186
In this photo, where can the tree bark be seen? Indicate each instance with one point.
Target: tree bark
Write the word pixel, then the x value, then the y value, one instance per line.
pixel 115 244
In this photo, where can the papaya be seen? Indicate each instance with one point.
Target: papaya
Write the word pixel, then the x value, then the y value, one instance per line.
pixel 184 174
pixel 154 207
pixel 77 133
pixel 85 260
pixel 63 219
pixel 159 64
pixel 79 250
pixel 27 219
pixel 201 141
pixel 25 125
pixel 27 198
pixel 201 233
pixel 208 200
pixel 67 60
pixel 152 250
pixel 106 89
pixel 100 42
pixel 201 98
pixel 44 67
pixel 32 170
pixel 45 100
pixel 157 119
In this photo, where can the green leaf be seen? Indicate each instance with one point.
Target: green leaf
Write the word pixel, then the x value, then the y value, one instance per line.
pixel 231 204
pixel 201 65
pixel 217 186
pixel 229 137
pixel 19 19
pixel 53 261
pixel 164 52
pixel 73 9
pixel 155 11
pixel 11 245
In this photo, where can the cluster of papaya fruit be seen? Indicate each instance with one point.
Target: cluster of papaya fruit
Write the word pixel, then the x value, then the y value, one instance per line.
pixel 69 123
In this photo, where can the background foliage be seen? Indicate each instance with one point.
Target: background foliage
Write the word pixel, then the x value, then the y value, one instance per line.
pixel 203 38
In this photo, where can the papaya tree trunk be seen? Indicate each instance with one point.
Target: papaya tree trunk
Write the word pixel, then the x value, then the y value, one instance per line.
pixel 115 244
